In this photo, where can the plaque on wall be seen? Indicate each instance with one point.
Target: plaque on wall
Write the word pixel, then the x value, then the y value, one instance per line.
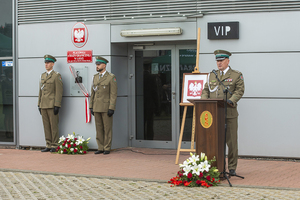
pixel 81 78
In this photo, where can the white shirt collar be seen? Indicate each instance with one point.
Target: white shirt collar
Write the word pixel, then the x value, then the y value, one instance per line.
pixel 102 74
pixel 226 70
pixel 49 72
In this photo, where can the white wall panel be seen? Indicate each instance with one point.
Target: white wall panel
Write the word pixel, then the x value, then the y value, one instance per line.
pixel 259 32
pixel 36 40
pixel 269 127
pixel 189 32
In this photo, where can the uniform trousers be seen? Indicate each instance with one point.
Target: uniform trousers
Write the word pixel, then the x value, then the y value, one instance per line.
pixel 104 130
pixel 231 140
pixel 50 122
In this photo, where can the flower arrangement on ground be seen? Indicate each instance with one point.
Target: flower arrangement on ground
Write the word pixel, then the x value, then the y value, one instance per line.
pixel 196 172
pixel 73 144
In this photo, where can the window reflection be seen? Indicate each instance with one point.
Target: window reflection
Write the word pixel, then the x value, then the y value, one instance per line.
pixel 5 28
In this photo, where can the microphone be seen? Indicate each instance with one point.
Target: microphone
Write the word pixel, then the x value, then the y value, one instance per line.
pixel 214 71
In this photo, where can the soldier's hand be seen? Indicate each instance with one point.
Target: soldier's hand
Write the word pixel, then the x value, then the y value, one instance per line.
pixel 56 110
pixel 91 109
pixel 40 110
pixel 230 102
pixel 110 112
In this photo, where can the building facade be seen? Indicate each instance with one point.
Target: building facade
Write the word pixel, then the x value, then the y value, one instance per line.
pixel 149 68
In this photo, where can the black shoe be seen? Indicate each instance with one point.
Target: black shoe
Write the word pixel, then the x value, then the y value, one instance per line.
pixel 98 152
pixel 53 150
pixel 106 152
pixel 232 172
pixel 46 150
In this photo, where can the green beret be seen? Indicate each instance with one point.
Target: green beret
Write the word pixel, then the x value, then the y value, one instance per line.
pixel 100 60
pixel 222 54
pixel 49 58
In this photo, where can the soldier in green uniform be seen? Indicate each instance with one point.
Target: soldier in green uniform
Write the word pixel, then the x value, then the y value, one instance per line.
pixel 50 96
pixel 234 81
pixel 102 104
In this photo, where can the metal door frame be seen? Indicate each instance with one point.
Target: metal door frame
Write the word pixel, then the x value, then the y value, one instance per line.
pixel 175 98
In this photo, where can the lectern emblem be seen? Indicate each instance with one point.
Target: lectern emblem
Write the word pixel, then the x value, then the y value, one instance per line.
pixel 206 119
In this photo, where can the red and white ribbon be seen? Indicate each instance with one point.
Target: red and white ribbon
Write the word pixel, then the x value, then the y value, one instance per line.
pixel 85 93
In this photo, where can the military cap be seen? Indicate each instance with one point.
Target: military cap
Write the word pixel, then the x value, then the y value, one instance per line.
pixel 222 54
pixel 100 60
pixel 49 58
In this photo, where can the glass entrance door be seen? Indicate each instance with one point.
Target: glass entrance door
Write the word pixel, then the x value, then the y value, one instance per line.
pixel 155 97
pixel 158 72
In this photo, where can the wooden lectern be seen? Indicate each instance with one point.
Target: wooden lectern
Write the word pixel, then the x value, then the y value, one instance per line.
pixel 210 129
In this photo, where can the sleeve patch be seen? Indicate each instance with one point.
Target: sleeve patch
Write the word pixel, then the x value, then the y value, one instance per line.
pixel 241 77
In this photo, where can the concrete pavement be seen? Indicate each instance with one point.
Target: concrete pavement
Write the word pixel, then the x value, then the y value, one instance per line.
pixel 134 173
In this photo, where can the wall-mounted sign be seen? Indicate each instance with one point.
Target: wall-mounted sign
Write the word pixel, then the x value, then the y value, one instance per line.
pixel 84 56
pixel 223 30
pixel 79 34
pixel 7 63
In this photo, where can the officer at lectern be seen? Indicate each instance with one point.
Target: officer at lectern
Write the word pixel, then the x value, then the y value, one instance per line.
pixel 49 102
pixel 234 81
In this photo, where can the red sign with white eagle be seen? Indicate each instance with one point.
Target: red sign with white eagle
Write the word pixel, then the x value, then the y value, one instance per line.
pixel 84 56
pixel 195 88
pixel 79 34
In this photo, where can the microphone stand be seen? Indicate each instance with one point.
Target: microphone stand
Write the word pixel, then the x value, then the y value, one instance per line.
pixel 225 174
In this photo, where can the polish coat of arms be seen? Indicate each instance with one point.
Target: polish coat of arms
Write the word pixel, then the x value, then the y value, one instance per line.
pixel 195 88
pixel 79 34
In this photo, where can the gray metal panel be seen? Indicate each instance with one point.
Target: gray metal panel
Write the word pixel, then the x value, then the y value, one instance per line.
pixel 36 40
pixel 119 67
pixel 72 119
pixel 259 32
pixel 35 11
pixel 269 127
pixel 189 32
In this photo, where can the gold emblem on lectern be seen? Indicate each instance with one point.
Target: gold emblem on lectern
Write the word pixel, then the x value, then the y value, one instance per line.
pixel 206 119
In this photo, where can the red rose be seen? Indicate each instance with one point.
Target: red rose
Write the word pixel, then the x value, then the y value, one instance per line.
pixel 84 152
pixel 75 150
pixel 75 139
pixel 80 147
pixel 190 175
pixel 58 148
pixel 66 139
pixel 213 179
pixel 200 175
pixel 65 150
pixel 180 175
pixel 69 145
pixel 64 144
pixel 74 145
pixel 198 182
pixel 208 178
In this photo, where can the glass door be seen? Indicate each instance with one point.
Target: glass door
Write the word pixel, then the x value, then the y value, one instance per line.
pixel 155 97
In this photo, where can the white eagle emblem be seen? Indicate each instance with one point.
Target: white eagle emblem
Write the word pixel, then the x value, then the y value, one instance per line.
pixel 79 34
pixel 194 89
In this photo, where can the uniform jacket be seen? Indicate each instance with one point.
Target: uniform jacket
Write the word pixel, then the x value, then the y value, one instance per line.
pixel 234 80
pixel 51 90
pixel 104 92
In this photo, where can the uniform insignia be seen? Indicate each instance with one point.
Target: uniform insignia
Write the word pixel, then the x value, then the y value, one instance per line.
pixel 241 77
pixel 213 81
pixel 228 80
pixel 115 80
pixel 60 78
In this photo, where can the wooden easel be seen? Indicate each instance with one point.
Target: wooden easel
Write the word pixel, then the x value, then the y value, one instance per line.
pixel 192 149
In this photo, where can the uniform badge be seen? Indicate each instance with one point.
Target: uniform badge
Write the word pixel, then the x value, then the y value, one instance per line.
pixel 115 80
pixel 241 77
pixel 228 80
pixel 60 78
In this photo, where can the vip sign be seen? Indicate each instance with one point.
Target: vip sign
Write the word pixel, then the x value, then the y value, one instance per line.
pixel 195 88
pixel 79 34
pixel 223 30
